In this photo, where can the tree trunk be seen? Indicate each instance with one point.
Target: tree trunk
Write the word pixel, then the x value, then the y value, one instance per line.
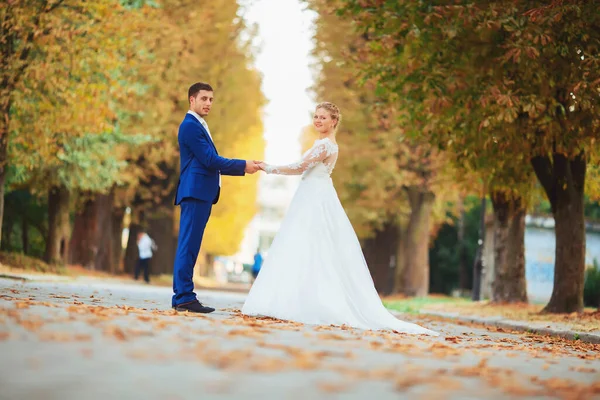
pixel 131 251
pixel 160 228
pixel 104 259
pixel 380 254
pixel 478 262
pixel 563 180
pixel 117 225
pixel 58 225
pixel 83 240
pixel 416 268
pixel 509 285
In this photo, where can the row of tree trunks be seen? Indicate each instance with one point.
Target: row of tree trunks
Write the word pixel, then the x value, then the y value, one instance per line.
pixel 104 259
pixel 83 241
pixel 160 227
pixel 509 284
pixel 398 254
pixel 96 239
pixel 412 246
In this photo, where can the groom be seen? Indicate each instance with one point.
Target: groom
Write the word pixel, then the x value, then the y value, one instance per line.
pixel 198 189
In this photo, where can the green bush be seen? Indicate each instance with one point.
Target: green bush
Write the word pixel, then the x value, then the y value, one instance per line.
pixel 591 289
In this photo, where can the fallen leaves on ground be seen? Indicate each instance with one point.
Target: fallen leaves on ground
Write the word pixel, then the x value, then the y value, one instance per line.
pixel 587 321
pixel 337 387
pixel 336 348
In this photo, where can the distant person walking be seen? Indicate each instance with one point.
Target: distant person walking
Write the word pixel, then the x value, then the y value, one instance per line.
pixel 145 247
pixel 258 260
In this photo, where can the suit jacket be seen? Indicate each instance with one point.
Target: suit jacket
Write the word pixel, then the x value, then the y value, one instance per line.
pixel 201 164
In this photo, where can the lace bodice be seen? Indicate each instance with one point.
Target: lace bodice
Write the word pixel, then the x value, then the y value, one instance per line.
pixel 319 160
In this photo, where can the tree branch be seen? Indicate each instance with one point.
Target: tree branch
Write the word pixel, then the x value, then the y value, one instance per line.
pixel 544 171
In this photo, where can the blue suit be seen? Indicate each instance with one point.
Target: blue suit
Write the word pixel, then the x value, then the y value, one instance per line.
pixel 198 189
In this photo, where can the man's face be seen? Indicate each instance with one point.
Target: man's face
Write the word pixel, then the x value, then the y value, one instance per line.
pixel 202 103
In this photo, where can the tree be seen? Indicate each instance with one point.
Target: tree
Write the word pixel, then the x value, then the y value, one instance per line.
pixel 58 63
pixel 510 69
pixel 112 57
pixel 71 66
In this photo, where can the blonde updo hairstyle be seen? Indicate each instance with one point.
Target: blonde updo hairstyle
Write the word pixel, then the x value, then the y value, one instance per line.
pixel 333 111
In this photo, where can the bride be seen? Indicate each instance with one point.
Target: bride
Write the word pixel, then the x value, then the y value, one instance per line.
pixel 315 272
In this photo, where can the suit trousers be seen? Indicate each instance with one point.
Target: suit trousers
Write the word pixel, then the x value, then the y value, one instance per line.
pixel 194 216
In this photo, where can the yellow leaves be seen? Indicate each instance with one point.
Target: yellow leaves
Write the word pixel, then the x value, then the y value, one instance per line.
pixel 115 332
pixel 21 305
pixel 63 337
pixel 330 336
pixel 329 387
pixel 73 83
pixel 251 333
pixel 584 369
pixel 145 318
pixel 586 321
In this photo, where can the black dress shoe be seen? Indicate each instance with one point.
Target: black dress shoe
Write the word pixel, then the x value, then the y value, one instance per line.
pixel 194 306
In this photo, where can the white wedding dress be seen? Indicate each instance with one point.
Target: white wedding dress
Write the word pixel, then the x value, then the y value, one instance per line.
pixel 315 272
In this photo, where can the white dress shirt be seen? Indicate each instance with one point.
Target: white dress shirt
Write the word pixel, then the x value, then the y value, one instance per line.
pixel 205 125
pixel 145 246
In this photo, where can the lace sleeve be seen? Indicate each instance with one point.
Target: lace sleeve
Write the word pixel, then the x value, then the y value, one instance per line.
pixel 314 156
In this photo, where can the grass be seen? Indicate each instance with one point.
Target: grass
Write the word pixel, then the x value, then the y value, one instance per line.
pixel 30 264
pixel 413 305
pixel 14 263
pixel 586 321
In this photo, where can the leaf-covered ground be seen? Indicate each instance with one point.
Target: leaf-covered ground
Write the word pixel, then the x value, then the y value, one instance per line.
pixel 15 265
pixel 108 340
pixel 586 321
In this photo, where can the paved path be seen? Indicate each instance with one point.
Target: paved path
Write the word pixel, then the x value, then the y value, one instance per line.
pixel 105 340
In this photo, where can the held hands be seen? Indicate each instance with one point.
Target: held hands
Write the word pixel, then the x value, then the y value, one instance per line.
pixel 254 166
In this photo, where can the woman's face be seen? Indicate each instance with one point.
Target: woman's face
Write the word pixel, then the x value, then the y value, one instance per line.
pixel 323 122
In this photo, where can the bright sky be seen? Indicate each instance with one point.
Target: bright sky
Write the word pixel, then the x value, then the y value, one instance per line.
pixel 284 42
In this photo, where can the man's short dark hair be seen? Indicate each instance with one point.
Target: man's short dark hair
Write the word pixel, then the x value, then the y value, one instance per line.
pixel 197 87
